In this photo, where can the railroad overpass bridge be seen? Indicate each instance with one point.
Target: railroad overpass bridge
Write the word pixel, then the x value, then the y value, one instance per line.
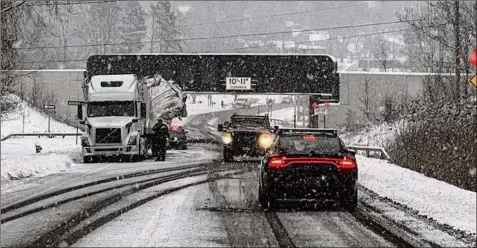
pixel 64 85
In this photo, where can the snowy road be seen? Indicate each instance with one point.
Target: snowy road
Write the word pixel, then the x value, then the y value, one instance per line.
pixel 226 213
pixel 192 199
pixel 166 204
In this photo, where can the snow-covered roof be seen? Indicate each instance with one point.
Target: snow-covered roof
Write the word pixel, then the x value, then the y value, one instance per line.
pixel 318 36
pixel 125 91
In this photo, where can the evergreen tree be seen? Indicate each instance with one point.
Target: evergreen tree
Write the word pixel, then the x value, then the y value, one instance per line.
pixel 132 27
pixel 165 29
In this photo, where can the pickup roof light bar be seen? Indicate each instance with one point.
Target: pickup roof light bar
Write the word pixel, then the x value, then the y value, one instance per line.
pixel 249 116
pixel 333 132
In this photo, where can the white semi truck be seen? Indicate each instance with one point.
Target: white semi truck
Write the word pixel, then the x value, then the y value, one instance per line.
pixel 120 111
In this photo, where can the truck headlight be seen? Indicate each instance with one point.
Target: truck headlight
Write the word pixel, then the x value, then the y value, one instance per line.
pixel 132 140
pixel 227 139
pixel 265 140
pixel 85 141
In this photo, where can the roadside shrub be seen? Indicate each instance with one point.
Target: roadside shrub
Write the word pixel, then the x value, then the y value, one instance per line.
pixel 440 141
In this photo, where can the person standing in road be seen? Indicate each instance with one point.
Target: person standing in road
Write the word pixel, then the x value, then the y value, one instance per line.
pixel 222 103
pixel 159 142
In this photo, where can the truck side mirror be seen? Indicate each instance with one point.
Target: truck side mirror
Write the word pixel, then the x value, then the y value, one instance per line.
pixel 275 128
pixel 143 110
pixel 82 122
pixel 134 120
pixel 80 112
pixel 220 127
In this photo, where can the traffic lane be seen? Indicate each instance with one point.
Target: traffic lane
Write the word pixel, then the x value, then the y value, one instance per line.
pixel 226 213
pixel 168 222
pixel 182 219
pixel 319 228
pixel 84 173
pixel 234 202
pixel 329 229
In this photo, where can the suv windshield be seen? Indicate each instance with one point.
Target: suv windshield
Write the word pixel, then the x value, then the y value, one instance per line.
pixel 111 108
pixel 306 144
pixel 248 122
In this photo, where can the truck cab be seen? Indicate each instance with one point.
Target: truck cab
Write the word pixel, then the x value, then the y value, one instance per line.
pixel 115 117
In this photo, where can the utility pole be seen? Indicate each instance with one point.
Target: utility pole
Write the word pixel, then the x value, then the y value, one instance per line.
pixel 49 114
pixel 23 110
pixel 283 43
pixel 77 119
pixel 152 32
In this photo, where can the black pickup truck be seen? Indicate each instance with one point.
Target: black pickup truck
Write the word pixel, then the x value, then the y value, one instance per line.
pixel 247 135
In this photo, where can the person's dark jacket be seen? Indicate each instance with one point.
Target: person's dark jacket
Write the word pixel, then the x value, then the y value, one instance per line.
pixel 161 133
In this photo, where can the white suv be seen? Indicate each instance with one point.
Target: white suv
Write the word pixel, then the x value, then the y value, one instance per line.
pixel 241 103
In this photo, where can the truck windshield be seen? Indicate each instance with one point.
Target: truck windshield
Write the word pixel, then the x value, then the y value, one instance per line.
pixel 110 108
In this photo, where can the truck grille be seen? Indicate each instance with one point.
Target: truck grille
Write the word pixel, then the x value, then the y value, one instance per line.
pixel 108 135
pixel 246 139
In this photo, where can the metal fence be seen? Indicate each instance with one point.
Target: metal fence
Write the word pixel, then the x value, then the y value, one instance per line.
pixel 370 152
pixel 49 135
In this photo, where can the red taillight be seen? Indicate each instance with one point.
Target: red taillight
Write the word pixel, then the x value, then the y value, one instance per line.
pixel 175 128
pixel 277 162
pixel 280 162
pixel 346 164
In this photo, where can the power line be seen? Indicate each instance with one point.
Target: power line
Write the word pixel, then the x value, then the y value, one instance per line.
pixel 220 37
pixel 15 4
pixel 335 38
pixel 267 16
pixel 244 48
pixel 72 3
pixel 284 32
pixel 236 49
pixel 52 61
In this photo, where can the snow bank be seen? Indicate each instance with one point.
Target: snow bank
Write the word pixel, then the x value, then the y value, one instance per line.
pixel 19 159
pixel 18 156
pixel 34 121
pixel 445 203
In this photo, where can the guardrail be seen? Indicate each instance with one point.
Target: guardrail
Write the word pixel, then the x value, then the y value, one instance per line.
pixel 50 135
pixel 370 152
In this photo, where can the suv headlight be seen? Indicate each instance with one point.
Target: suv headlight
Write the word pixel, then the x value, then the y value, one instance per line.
pixel 265 140
pixel 85 141
pixel 132 140
pixel 227 139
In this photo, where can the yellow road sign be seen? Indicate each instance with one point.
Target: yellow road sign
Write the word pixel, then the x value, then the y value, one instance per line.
pixel 473 80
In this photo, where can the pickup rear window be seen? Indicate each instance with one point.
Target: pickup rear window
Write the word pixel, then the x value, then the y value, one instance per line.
pixel 308 143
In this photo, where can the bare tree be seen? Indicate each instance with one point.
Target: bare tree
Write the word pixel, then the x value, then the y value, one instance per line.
pixel 444 29
pixel 9 37
pixel 366 100
pixel 382 53
pixel 357 44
